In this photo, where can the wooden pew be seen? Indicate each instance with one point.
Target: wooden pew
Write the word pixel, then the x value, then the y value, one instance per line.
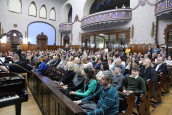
pixel 149 85
pixel 143 105
pixel 169 74
pixel 49 99
pixel 126 106
pixel 54 73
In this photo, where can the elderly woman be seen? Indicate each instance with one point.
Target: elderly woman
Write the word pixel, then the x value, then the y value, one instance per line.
pixel 76 63
pixel 69 74
pixel 75 84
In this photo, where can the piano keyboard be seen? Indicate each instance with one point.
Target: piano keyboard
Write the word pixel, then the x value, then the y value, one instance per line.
pixel 9 97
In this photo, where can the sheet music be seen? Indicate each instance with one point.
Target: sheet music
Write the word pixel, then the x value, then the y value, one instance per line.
pixel 3 59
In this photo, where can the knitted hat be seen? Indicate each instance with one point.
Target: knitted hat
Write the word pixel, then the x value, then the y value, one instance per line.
pixel 43 60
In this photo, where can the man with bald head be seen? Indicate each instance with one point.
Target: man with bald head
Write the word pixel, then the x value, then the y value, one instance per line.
pixel 148 72
pixel 160 67
pixel 119 64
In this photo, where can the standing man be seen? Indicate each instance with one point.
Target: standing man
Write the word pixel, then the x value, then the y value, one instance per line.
pixel 19 51
pixel 108 96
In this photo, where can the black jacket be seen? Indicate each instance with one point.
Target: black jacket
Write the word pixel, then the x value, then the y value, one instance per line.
pixel 148 73
pixel 55 63
pixel 162 68
pixel 19 53
pixel 14 68
pixel 67 77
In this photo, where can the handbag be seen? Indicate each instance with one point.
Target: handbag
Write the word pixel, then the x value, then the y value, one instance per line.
pixel 88 106
pixel 77 80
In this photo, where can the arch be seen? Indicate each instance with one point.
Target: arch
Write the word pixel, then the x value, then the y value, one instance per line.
pixel 14 37
pixel 15 6
pixel 43 12
pixel 37 27
pixel 99 6
pixel 32 9
pixel 67 13
pixel 93 6
pixel 87 6
pixel 53 14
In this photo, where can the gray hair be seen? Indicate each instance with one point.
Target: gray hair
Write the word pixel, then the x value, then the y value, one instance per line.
pixel 109 75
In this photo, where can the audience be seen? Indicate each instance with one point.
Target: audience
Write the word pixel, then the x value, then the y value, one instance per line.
pixel 89 85
pixel 89 76
pixel 107 95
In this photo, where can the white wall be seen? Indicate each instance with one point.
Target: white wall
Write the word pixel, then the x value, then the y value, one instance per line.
pixel 142 19
pixel 8 19
pixel 161 27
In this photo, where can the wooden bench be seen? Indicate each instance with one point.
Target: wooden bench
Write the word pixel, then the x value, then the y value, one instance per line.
pixel 126 104
pixel 49 99
pixel 169 74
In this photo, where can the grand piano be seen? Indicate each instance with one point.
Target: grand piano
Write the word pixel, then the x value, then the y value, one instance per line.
pixel 12 91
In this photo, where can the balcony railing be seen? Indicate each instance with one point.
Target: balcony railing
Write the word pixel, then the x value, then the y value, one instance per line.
pixel 65 28
pixel 109 16
pixel 163 7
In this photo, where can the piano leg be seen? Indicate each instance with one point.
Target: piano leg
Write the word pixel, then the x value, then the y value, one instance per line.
pixel 18 108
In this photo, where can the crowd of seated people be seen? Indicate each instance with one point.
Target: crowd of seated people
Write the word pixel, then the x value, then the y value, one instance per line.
pixel 90 75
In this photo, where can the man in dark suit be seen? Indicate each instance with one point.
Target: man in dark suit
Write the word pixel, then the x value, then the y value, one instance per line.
pixel 15 66
pixel 56 61
pixel 161 67
pixel 148 72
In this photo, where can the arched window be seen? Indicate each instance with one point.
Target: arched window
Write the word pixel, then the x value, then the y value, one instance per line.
pixel 15 6
pixel 32 9
pixel 36 28
pixel 70 15
pixel 43 12
pixel 102 5
pixel 52 14
pixel 67 13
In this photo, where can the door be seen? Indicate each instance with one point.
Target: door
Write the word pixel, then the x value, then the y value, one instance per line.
pixel 169 44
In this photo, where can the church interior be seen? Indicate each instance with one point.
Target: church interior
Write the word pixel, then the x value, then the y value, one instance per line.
pixel 85 57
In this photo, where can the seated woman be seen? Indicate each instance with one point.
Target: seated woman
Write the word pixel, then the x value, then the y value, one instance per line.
pixel 169 61
pixel 89 86
pixel 104 67
pixel 42 67
pixel 76 83
pixel 68 75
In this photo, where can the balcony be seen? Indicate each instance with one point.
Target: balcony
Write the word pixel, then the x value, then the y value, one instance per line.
pixel 164 8
pixel 106 19
pixel 65 28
